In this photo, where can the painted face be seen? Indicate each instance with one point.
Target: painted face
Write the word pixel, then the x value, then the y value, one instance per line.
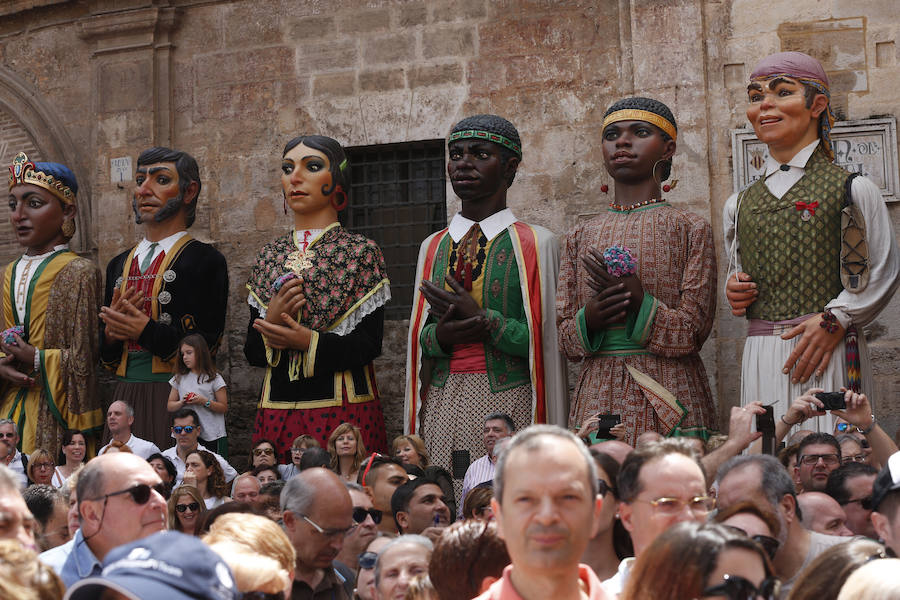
pixel 264 454
pixel 188 356
pixel 426 509
pixel 345 444
pixel 778 113
pixel 188 518
pixel 631 149
pixel 157 194
pixel 160 468
pixel 408 455
pixel 36 216
pixel 476 169
pixel 547 513
pixel 399 564
pixel 75 449
pixel 306 181
pixel 194 465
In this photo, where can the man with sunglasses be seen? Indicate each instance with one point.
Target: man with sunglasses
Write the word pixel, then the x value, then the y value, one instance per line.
pixel 851 486
pixel 9 452
pixel 366 519
pixel 186 431
pixel 120 500
pixel 317 515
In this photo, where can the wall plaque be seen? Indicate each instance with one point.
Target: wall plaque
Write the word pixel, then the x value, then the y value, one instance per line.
pixel 867 147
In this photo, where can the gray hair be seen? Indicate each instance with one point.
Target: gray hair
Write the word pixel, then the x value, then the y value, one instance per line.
pixel 409 538
pixel 297 495
pixel 9 422
pixel 531 439
pixel 90 483
pixel 775 483
pixel 247 475
pixel 129 409
pixel 500 416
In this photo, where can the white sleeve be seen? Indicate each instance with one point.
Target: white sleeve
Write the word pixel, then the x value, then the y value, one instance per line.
pixel 861 308
pixel 732 247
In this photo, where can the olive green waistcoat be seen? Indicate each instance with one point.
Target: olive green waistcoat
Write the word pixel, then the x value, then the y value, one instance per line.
pixel 502 292
pixel 795 263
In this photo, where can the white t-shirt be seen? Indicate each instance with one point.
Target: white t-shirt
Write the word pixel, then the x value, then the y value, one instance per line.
pixel 212 425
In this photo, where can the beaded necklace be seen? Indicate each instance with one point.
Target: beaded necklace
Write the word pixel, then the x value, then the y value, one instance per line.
pixel 619 207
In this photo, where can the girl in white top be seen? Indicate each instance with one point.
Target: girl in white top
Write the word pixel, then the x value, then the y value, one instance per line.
pixel 197 384
pixel 73 453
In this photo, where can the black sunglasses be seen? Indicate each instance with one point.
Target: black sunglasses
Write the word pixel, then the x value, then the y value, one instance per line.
pixel 769 544
pixel 359 514
pixel 735 587
pixel 193 507
pixel 602 488
pixel 140 493
pixel 367 560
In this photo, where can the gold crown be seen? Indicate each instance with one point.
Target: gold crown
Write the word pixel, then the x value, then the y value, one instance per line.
pixel 23 171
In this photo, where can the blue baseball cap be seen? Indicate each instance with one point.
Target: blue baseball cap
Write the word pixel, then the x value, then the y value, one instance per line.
pixel 168 565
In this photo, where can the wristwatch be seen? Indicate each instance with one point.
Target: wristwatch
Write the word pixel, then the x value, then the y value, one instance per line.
pixel 868 429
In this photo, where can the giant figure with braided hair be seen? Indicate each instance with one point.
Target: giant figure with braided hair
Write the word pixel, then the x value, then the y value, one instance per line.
pixel 638 321
pixel 482 331
pixel 317 297
pixel 812 256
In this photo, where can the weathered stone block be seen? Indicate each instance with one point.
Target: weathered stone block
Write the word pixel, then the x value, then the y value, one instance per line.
pixel 127 86
pixel 380 81
pixel 364 21
pixel 324 56
pixel 449 41
pixel 241 100
pixel 435 75
pixel 412 14
pixel 390 48
pixel 314 27
pixel 458 10
pixel 252 21
pixel 334 84
pixel 262 64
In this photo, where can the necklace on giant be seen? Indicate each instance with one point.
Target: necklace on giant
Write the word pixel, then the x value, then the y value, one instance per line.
pixel 622 208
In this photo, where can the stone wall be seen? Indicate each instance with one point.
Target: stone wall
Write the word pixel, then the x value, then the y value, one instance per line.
pixel 231 81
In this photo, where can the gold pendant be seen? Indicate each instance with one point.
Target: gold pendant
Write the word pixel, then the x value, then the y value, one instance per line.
pixel 298 261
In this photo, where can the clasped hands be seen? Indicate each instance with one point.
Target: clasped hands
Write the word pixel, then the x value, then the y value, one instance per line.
pixel 460 319
pixel 18 362
pixel 812 353
pixel 124 318
pixel 280 329
pixel 613 296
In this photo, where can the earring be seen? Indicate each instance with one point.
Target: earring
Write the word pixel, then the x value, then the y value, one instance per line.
pixel 68 228
pixel 604 188
pixel 668 186
pixel 339 206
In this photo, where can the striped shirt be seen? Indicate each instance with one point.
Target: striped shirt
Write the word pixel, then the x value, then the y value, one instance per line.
pixel 478 472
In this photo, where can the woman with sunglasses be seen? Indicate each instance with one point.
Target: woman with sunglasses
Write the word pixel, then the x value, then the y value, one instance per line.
pixel 186 508
pixel 203 468
pixel 702 560
pixel 365 577
pixel 612 544
pixel 758 523
pixel 262 453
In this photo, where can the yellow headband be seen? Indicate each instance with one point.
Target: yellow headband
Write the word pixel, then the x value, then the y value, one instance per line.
pixel 636 114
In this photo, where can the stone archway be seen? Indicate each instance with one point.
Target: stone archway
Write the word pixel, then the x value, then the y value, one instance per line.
pixel 29 124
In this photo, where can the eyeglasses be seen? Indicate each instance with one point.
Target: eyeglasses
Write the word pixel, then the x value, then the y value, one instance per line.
pixel 700 505
pixel 864 503
pixel 140 493
pixel 44 465
pixel 329 533
pixel 360 513
pixel 367 560
pixel 260 451
pixel 297 450
pixel 602 488
pixel 735 587
pixel 8 435
pixel 178 429
pixel 845 427
pixel 860 458
pixel 262 596
pixel 193 507
pixel 769 544
pixel 830 460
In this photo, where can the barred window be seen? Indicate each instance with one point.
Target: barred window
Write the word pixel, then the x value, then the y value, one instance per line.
pixel 398 198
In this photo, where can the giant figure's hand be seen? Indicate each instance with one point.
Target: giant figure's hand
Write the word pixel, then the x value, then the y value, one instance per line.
pixel 600 279
pixel 741 292
pixel 813 351
pixel 606 308
pixel 290 336
pixel 440 300
pixel 10 373
pixel 451 331
pixel 125 324
pixel 289 299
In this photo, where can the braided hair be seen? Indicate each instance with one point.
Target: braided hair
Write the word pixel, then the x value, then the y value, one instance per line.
pixel 653 106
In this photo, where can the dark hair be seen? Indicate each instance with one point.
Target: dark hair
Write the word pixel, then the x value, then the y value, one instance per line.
pixel 748 507
pixel 837 480
pixel 67 436
pixel 500 126
pixel 183 413
pixel 403 494
pixel 259 469
pixel 628 480
pixel 784 456
pixel 478 498
pixel 499 416
pixel 256 445
pixel 315 457
pixel 466 553
pixel 273 488
pixel 377 461
pixel 656 107
pixel 203 357
pixel 215 483
pixel 188 173
pixel 819 437
pixel 212 514
pixel 774 481
pixel 337 160
pixel 823 578
pixel 680 560
pixel 622 544
pixel 167 463
pixel 41 501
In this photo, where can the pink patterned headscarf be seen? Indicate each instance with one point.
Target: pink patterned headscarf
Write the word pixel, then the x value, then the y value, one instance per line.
pixel 805 69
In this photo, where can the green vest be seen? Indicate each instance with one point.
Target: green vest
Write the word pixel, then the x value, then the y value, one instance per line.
pixel 795 263
pixel 502 291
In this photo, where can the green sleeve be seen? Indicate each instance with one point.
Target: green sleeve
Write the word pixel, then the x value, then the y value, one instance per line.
pixel 507 334
pixel 430 346
pixel 639 324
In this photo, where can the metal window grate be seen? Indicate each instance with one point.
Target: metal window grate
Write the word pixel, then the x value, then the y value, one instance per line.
pixel 398 198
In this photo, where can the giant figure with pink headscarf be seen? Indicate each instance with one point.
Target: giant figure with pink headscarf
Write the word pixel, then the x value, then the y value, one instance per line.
pixel 812 256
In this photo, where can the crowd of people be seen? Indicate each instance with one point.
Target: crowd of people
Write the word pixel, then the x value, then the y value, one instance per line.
pixel 624 488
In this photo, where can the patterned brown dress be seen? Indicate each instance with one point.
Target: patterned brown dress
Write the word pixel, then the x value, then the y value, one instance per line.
pixel 656 382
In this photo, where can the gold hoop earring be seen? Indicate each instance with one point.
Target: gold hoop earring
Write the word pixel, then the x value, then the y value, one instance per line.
pixel 68 228
pixel 668 186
